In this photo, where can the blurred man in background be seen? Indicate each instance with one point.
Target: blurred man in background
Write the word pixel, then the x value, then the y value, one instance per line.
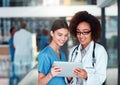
pixel 23 53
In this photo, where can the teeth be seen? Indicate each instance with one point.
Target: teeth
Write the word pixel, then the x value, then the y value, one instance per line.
pixel 62 41
pixel 81 39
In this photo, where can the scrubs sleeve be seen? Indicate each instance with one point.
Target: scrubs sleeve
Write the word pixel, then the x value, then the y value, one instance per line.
pixel 44 65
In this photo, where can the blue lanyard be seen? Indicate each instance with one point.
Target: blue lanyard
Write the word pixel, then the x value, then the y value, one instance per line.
pixel 76 53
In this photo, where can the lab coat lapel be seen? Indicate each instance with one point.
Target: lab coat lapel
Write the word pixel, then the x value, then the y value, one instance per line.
pixel 88 54
pixel 78 57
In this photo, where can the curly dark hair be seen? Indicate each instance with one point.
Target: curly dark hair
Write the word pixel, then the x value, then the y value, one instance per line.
pixel 84 16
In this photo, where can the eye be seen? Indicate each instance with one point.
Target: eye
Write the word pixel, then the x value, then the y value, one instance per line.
pixel 78 32
pixel 85 33
pixel 66 35
pixel 59 34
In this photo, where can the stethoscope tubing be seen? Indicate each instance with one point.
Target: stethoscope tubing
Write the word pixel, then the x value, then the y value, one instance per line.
pixel 76 53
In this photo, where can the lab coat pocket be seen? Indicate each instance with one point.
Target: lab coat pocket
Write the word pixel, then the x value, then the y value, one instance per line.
pixel 90 69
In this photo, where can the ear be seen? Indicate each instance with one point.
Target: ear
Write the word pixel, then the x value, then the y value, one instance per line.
pixel 51 33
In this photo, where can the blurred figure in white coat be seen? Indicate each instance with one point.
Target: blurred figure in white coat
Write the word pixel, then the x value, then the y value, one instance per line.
pixel 23 53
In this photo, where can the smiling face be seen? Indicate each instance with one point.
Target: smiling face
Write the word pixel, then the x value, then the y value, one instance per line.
pixel 59 37
pixel 84 33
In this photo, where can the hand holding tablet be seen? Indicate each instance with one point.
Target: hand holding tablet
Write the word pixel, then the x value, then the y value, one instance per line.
pixel 67 67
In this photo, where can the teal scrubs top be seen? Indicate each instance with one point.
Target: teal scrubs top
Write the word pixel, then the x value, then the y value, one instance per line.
pixel 12 49
pixel 45 60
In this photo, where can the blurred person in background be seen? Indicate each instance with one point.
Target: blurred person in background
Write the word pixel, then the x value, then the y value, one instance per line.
pixel 23 51
pixel 38 34
pixel 47 74
pixel 12 51
pixel 44 40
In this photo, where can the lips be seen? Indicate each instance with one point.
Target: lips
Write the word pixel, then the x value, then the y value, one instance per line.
pixel 62 42
pixel 81 40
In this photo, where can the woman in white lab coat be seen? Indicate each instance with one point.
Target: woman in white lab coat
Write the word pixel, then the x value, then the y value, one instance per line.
pixel 86 29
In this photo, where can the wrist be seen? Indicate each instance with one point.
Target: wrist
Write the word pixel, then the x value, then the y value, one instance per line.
pixel 50 74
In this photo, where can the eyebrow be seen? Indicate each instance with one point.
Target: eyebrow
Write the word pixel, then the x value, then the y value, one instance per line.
pixel 83 30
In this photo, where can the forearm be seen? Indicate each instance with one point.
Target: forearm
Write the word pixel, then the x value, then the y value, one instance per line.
pixel 45 79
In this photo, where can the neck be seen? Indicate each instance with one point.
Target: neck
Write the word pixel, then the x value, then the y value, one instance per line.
pixel 55 48
pixel 83 47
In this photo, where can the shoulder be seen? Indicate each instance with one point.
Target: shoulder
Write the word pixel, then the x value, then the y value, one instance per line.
pixel 99 46
pixel 44 53
pixel 101 53
pixel 100 50
pixel 17 33
pixel 27 32
pixel 10 41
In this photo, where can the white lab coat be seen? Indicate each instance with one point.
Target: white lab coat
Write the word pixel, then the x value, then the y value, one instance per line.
pixel 96 75
pixel 23 51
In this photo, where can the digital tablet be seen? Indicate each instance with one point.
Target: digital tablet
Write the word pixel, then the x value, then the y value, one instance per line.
pixel 67 67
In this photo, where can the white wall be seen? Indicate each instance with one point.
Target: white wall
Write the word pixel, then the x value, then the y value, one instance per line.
pixel 53 11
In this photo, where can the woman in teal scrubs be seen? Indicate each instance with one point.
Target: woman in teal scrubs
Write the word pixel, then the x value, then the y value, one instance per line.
pixel 47 74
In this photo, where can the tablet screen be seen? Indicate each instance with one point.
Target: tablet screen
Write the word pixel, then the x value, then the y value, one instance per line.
pixel 67 67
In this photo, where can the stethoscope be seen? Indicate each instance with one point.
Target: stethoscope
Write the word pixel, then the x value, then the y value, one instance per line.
pixel 76 53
